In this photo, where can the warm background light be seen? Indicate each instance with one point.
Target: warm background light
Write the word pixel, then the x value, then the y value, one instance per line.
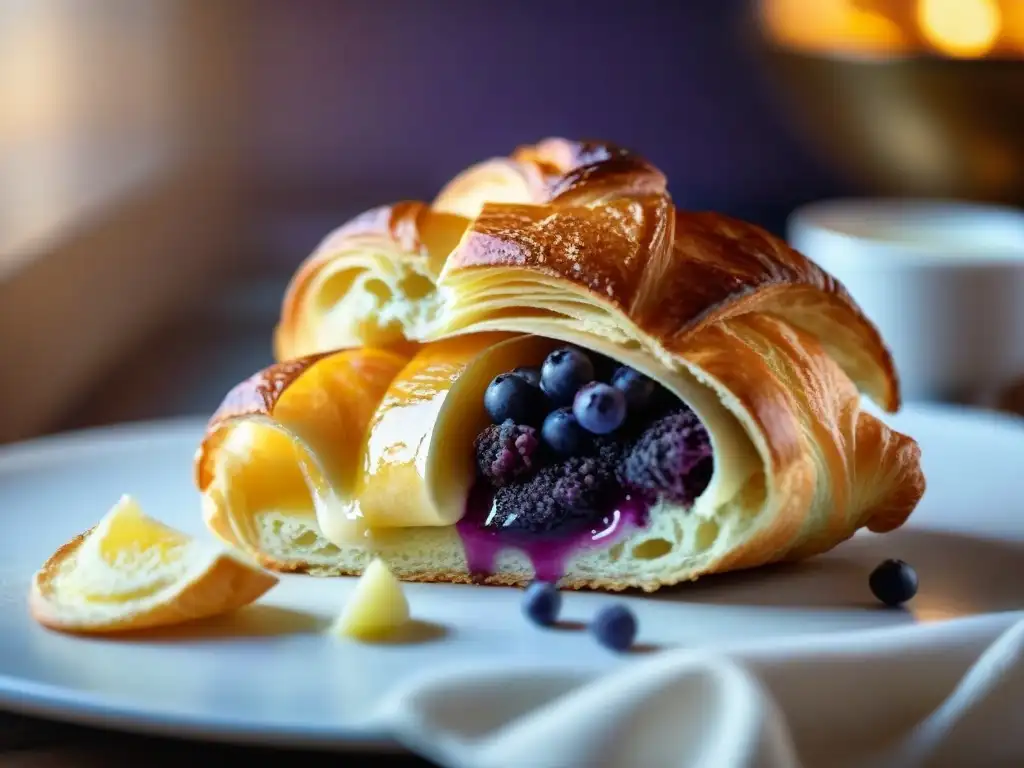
pixel 951 28
pixel 843 24
pixel 960 27
pixel 1013 25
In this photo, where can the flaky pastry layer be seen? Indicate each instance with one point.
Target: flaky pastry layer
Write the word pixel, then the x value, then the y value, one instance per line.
pixel 581 242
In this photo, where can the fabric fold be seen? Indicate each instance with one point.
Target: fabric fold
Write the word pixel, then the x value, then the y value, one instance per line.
pixel 928 695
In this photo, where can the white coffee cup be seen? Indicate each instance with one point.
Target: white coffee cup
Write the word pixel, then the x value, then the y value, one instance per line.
pixel 943 281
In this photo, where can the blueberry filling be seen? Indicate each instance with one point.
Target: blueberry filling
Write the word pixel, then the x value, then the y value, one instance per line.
pixel 599 408
pixel 601 446
pixel 564 495
pixel 563 372
pixel 530 373
pixel 563 434
pixel 635 387
pixel 512 396
pixel 671 458
pixel 506 452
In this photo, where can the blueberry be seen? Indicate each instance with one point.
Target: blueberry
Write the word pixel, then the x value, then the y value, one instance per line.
pixel 637 388
pixel 530 373
pixel 542 603
pixel 563 373
pixel 563 433
pixel 893 582
pixel 510 396
pixel 614 627
pixel 600 408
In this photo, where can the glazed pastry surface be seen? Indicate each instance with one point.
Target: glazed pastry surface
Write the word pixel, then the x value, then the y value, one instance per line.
pixel 560 242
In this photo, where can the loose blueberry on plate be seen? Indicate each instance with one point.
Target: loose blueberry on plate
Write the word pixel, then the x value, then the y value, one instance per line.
pixel 542 603
pixel 600 408
pixel 530 373
pixel 563 433
pixel 614 627
pixel 510 396
pixel 637 388
pixel 893 582
pixel 563 373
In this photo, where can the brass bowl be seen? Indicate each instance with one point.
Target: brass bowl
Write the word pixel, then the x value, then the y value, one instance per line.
pixel 916 126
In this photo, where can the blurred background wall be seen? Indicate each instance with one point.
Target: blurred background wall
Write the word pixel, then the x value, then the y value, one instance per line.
pixel 356 103
pixel 119 180
pixel 266 123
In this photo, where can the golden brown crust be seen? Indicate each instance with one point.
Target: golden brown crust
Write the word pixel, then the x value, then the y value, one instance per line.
pixel 552 168
pixel 346 403
pixel 39 607
pixel 669 273
pixel 226 586
pixel 727 301
pixel 590 170
pixel 401 224
pixel 498 178
pixel 599 218
pixel 720 267
pixel 888 506
pixel 256 396
pixel 808 411
pixel 563 244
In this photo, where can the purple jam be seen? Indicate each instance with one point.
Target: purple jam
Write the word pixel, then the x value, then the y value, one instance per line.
pixel 549 553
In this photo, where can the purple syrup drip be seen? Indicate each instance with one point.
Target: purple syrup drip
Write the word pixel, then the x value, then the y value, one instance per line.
pixel 548 553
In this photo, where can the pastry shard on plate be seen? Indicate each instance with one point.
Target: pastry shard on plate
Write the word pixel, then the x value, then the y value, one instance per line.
pixel 744 442
pixel 133 572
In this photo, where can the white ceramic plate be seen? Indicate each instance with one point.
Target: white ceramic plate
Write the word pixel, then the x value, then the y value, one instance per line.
pixel 271 675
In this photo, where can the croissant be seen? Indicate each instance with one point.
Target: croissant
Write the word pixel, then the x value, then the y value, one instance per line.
pixel 726 431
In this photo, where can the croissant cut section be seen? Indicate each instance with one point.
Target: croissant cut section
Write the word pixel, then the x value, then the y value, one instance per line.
pixel 278 465
pixel 786 482
pixel 580 242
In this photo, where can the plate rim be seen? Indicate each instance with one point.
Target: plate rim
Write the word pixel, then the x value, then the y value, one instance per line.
pixel 63 705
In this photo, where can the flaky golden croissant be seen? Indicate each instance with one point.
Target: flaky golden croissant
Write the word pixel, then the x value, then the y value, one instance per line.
pixel 724 430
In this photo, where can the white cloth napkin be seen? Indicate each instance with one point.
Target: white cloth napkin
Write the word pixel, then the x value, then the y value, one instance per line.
pixel 945 694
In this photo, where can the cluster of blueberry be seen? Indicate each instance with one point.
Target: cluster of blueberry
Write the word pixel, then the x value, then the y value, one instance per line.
pixel 567 402
pixel 613 626
pixel 570 435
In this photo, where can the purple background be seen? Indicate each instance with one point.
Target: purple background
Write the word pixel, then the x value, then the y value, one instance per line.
pixel 359 103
